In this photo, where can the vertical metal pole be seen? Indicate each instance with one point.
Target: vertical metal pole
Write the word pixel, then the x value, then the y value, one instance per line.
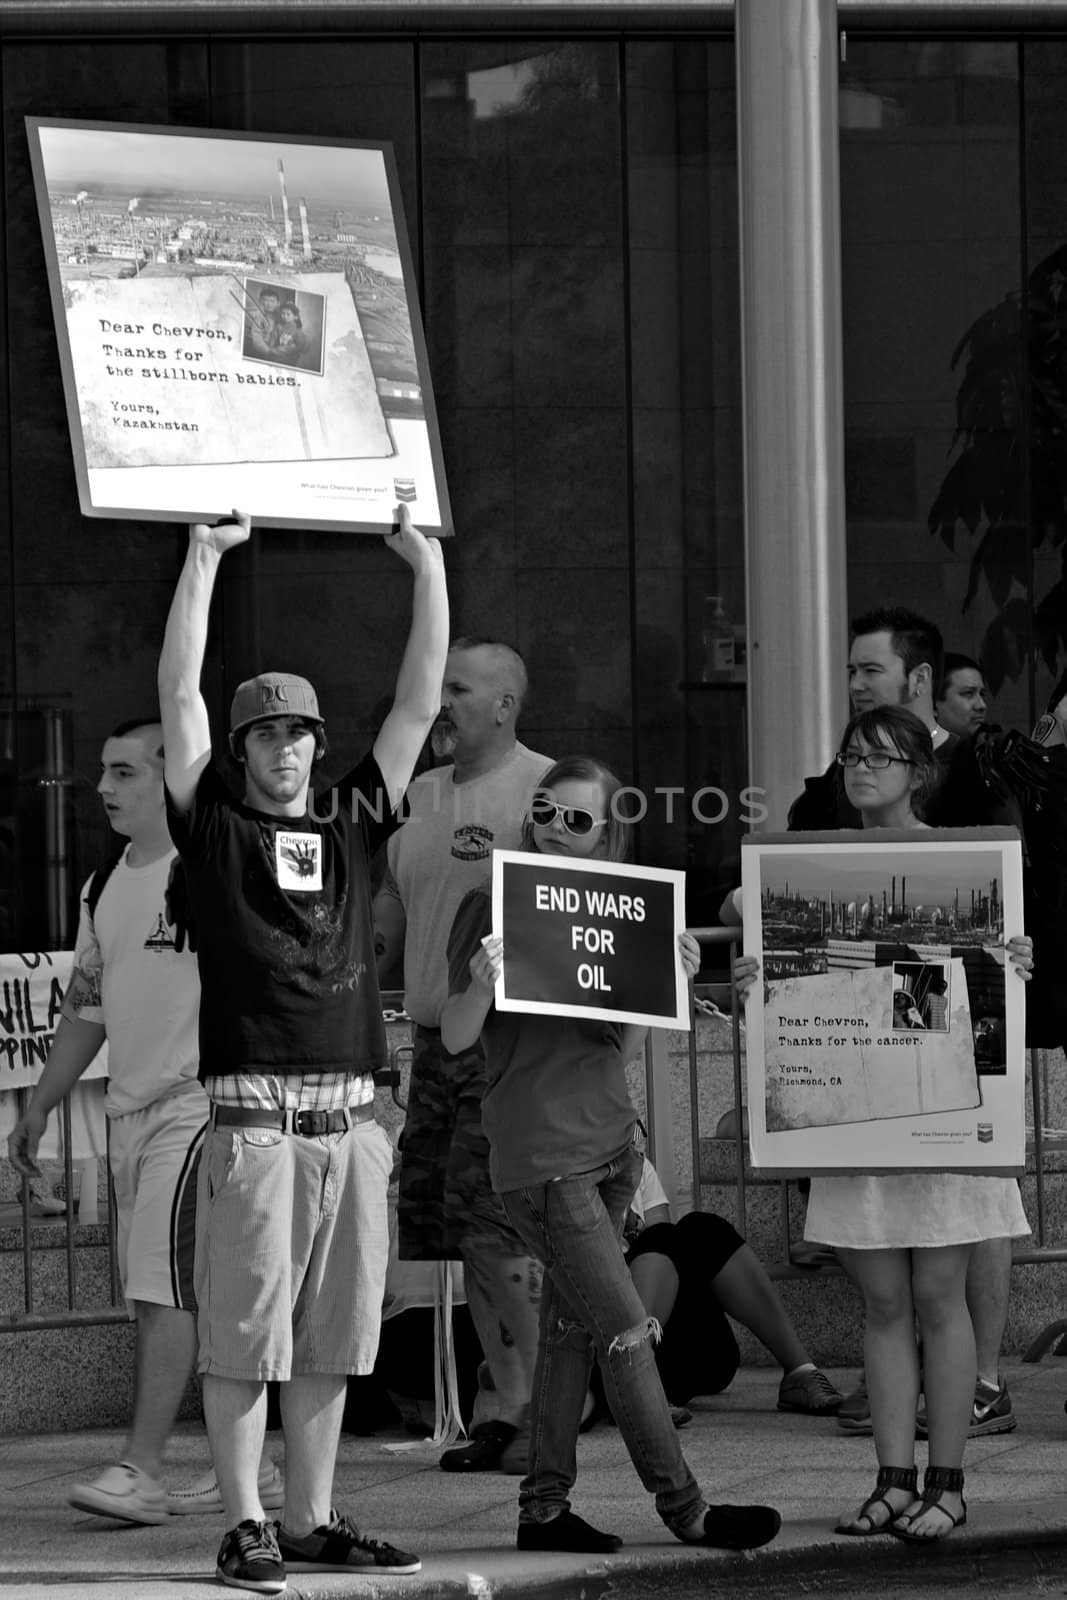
pixel 1037 1063
pixel 694 1105
pixel 68 1177
pixel 658 1114
pixel 54 782
pixel 792 382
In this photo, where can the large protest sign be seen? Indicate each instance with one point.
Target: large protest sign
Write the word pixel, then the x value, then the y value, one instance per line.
pixel 590 939
pixel 31 995
pixel 237 324
pixel 887 1034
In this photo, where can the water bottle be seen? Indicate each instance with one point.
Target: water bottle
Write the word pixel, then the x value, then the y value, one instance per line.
pixel 717 637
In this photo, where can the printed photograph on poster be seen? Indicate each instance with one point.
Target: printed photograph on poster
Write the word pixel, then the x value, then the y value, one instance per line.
pixel 237 324
pixel 590 939
pixel 283 326
pixel 887 1028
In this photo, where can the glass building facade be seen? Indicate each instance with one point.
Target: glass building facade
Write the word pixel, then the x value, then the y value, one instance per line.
pixel 572 204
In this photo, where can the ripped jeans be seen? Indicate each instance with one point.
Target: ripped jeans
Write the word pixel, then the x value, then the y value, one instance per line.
pixel 589 1304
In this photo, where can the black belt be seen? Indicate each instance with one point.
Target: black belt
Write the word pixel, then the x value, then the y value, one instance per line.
pixel 311 1124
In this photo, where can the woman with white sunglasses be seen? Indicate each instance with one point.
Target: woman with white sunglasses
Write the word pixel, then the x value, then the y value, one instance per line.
pixel 560 1125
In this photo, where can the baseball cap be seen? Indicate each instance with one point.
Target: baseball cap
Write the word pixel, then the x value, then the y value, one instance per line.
pixel 273 694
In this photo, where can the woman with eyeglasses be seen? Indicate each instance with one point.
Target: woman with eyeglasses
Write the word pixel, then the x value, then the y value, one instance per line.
pixel 906 1238
pixel 560 1125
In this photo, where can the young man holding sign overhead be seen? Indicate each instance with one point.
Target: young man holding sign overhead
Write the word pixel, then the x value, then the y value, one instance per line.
pixel 292 1237
pixel 560 1124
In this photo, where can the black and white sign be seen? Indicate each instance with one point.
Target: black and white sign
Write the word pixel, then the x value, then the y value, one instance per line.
pixel 590 939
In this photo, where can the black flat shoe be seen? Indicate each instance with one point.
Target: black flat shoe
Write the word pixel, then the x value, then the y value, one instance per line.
pixel 566 1532
pixel 738 1527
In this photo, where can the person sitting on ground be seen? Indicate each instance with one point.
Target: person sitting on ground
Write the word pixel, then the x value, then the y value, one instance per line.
pixel 693 1276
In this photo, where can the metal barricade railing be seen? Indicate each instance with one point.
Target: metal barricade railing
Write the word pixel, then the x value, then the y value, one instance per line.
pixel 723 996
pixel 393 1012
pixel 78 1232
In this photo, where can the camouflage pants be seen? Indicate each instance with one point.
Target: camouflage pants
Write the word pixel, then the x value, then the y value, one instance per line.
pixel 446 1200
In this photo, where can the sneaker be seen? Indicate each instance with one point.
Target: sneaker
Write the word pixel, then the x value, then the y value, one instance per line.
pixel 485 1449
pixel 124 1492
pixel 340 1547
pixel 249 1559
pixel 204 1494
pixel 854 1412
pixel 811 1392
pixel 567 1531
pixel 991 1413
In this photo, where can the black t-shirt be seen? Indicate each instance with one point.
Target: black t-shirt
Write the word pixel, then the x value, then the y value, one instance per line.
pixel 282 909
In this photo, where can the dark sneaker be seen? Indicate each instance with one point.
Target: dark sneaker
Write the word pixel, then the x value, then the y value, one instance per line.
pixel 854 1412
pixel 810 1392
pixel 485 1450
pixel 566 1532
pixel 249 1559
pixel 341 1547
pixel 738 1527
pixel 991 1412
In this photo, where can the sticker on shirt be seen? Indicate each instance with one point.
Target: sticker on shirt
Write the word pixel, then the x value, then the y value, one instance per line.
pixel 160 938
pixel 471 843
pixel 298 860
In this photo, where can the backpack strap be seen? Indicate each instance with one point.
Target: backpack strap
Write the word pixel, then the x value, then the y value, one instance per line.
pixel 99 879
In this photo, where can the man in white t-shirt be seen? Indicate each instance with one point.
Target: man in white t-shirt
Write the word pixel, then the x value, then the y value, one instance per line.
pixel 136 984
pixel 459 814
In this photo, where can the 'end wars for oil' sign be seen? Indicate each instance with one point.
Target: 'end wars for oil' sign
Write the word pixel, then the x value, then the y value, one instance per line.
pixel 590 939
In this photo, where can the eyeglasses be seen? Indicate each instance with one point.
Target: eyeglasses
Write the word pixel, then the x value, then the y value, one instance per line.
pixel 874 760
pixel 543 814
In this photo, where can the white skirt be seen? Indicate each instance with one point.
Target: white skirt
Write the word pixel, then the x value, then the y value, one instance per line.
pixel 913 1209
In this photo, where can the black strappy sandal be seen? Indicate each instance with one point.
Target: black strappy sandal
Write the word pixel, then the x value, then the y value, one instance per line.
pixel 888 1478
pixel 936 1482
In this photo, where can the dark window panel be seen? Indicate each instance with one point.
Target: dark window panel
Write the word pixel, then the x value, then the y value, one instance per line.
pixel 688 532
pixel 931 210
pixel 526 326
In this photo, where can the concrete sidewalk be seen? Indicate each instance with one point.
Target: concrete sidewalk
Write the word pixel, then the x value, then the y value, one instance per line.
pixel 740 1447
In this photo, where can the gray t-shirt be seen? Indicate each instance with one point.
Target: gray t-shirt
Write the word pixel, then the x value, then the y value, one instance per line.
pixel 443 850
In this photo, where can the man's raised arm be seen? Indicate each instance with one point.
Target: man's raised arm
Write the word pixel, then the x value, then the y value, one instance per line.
pixel 186 731
pixel 418 685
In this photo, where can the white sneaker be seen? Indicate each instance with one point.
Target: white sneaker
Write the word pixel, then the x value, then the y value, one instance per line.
pixel 203 1495
pixel 124 1492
